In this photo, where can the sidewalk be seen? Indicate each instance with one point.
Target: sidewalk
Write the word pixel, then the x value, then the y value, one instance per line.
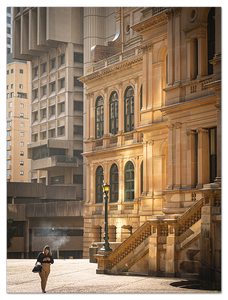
pixel 79 276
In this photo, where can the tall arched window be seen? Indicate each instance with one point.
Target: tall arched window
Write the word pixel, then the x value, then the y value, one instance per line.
pixel 113 113
pixel 114 183
pixel 211 38
pixel 99 118
pixel 99 184
pixel 129 110
pixel 129 182
pixel 141 97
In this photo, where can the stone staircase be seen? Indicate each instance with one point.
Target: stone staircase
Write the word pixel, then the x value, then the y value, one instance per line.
pixel 161 247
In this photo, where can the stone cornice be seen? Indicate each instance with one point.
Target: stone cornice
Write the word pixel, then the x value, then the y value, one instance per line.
pixel 150 22
pixel 113 68
pixel 190 104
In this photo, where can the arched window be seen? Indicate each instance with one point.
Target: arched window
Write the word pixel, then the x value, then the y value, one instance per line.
pixel 129 182
pixel 141 177
pixel 114 183
pixel 113 113
pixel 211 38
pixel 99 118
pixel 99 184
pixel 129 110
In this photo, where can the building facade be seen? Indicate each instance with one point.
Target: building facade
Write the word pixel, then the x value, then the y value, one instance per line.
pixel 17 119
pixel 56 40
pixel 9 29
pixel 56 107
pixel 153 133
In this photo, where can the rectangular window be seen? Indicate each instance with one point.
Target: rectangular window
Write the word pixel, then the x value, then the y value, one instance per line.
pixel 62 130
pixel 44 67
pixel 78 179
pixel 22 134
pixel 44 135
pixel 53 110
pixel 22 125
pixel 10 104
pixel 21 95
pixel 21 163
pixel 8 162
pixel 11 95
pixel 36 94
pixel 8 133
pixel 21 144
pixel 8 172
pixel 8 123
pixel 8 10
pixel 8 30
pixel 11 86
pixel 8 143
pixel 7 87
pixel 36 71
pixel 78 105
pixel 21 172
pixel 78 57
pixel 57 180
pixel 44 113
pixel 62 107
pixel 10 114
pixel 11 70
pixel 21 105
pixel 78 130
pixel 7 96
pixel 7 72
pixel 44 90
pixel 36 137
pixel 53 87
pixel 77 82
pixel 8 20
pixel 36 116
pixel 22 153
pixel 21 115
pixel 63 59
pixel 8 40
pixel 52 133
pixel 20 86
pixel 53 63
pixel 8 152
pixel 21 71
pixel 63 83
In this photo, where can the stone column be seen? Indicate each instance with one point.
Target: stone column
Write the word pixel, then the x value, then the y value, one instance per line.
pixel 137 102
pixel 191 59
pixel 88 183
pixel 178 156
pixel 191 159
pixel 121 115
pixel 202 50
pixel 92 116
pixel 170 156
pixel 106 114
pixel 121 181
pixel 171 262
pixel 145 177
pixel 153 251
pixel 218 106
pixel 149 163
pixel 137 178
pixel 92 187
pixel 87 116
pixel 145 82
pixel 177 22
pixel 170 46
pixel 203 157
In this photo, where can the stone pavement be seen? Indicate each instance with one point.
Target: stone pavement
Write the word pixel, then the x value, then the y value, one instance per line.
pixel 79 276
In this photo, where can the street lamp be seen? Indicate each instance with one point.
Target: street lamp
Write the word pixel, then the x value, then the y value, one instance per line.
pixel 106 247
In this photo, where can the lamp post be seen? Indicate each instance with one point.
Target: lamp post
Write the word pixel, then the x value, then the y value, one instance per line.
pixel 106 247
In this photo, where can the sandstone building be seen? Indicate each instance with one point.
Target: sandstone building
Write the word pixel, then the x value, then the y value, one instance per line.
pixel 153 133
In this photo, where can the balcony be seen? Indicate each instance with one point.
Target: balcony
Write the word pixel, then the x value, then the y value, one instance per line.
pixel 64 161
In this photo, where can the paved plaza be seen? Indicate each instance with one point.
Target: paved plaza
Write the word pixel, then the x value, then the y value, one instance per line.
pixel 79 276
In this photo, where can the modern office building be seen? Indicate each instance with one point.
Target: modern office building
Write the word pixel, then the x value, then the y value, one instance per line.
pixel 9 29
pixel 17 119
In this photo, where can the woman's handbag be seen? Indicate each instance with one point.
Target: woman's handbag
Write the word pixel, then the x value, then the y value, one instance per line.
pixel 37 268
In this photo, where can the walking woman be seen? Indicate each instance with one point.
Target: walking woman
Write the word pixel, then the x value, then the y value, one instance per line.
pixel 46 259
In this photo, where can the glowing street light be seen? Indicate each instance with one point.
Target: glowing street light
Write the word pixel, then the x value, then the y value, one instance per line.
pixel 106 246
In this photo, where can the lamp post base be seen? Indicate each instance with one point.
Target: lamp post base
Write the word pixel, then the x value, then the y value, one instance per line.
pixel 103 263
